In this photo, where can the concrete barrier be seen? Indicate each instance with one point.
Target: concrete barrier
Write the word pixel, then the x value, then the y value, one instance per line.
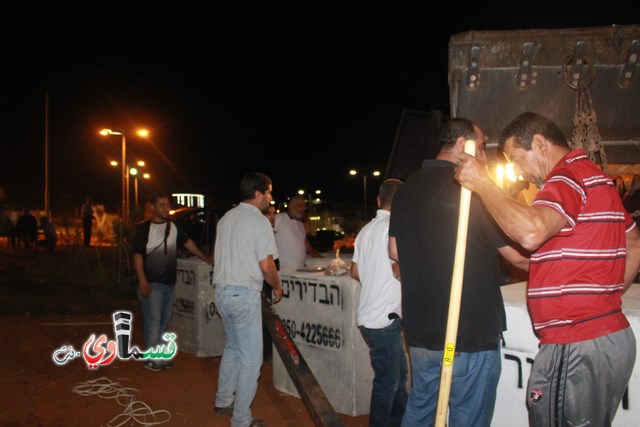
pixel 320 313
pixel 195 319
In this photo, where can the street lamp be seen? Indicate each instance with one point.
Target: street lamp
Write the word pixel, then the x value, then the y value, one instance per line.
pixel 354 172
pixel 135 172
pixel 125 173
pixel 132 171
pixel 310 200
pixel 105 132
pixel 315 201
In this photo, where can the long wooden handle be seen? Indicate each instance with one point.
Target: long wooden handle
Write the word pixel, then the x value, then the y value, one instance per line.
pixel 454 300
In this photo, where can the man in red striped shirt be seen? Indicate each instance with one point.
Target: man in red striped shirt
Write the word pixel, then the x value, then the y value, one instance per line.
pixel 585 254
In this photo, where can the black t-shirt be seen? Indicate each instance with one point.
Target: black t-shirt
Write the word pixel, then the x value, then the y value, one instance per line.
pixel 424 221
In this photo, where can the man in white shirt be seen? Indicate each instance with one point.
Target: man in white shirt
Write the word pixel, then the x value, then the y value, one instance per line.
pixel 291 237
pixel 380 312
pixel 244 259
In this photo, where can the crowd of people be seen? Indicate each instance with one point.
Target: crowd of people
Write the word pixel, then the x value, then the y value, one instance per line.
pixel 24 234
pixel 577 241
pixel 28 232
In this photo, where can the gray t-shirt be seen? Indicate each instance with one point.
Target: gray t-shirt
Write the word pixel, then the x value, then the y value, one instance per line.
pixel 244 237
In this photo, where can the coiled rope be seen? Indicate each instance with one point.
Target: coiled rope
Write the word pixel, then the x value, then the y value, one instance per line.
pixel 134 410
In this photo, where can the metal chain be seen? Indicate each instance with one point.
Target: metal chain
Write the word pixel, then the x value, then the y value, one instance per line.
pixel 579 139
pixel 585 128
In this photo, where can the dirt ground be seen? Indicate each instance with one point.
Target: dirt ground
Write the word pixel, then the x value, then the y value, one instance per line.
pixel 38 318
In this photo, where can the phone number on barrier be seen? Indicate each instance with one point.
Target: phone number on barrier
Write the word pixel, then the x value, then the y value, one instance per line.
pixel 314 333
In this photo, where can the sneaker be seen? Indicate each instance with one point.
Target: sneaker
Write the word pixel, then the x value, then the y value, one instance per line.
pixel 219 411
pixel 153 366
pixel 257 423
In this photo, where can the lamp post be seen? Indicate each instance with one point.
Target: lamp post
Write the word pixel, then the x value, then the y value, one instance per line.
pixel 105 132
pixel 135 172
pixel 125 171
pixel 317 198
pixel 354 172
pixel 125 184
pixel 310 200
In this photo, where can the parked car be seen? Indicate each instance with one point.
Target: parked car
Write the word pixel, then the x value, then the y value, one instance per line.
pixel 199 224
pixel 323 240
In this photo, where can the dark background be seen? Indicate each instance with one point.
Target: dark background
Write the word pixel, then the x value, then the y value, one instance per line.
pixel 302 91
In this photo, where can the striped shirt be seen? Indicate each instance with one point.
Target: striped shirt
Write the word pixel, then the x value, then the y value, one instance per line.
pixel 576 278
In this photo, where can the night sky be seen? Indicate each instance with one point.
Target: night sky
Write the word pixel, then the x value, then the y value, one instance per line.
pixel 302 91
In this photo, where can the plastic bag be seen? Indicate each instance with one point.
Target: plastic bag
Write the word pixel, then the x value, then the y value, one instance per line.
pixel 337 267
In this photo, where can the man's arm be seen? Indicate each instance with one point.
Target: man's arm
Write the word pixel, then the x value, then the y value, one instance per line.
pixel 633 257
pixel 393 254
pixel 311 251
pixel 194 249
pixel 393 249
pixel 143 284
pixel 514 257
pixel 353 271
pixel 530 226
pixel 395 268
pixel 271 276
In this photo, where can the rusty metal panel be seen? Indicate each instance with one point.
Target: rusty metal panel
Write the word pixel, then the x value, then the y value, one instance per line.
pixel 495 75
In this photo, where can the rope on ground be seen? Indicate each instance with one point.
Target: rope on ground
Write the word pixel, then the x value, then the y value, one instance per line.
pixel 134 410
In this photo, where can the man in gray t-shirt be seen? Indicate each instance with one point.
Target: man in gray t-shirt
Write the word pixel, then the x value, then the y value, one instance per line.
pixel 244 257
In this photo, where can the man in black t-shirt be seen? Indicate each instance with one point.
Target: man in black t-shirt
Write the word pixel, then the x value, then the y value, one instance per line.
pixel 422 239
pixel 155 259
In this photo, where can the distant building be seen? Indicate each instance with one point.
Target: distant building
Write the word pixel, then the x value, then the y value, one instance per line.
pixel 189 199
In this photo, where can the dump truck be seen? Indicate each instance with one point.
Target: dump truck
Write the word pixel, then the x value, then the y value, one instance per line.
pixel 585 79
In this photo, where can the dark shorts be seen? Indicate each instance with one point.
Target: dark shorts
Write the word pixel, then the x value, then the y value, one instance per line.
pixel 581 383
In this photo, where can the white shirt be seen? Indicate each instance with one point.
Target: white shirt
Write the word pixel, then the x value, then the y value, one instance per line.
pixel 290 241
pixel 243 239
pixel 381 292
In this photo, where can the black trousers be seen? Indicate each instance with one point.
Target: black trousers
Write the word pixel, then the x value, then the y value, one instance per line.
pixel 87 222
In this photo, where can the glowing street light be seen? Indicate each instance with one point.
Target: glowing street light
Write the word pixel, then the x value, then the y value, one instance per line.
pixel 132 171
pixel 125 173
pixel 135 172
pixel 354 172
pixel 311 200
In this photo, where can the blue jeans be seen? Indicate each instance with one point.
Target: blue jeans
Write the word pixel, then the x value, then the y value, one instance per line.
pixel 241 313
pixel 389 363
pixel 472 397
pixel 156 313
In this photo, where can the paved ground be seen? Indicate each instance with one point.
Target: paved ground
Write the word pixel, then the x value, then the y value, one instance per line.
pixel 37 318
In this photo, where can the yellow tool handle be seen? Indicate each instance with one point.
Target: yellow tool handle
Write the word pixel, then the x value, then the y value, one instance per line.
pixel 454 300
